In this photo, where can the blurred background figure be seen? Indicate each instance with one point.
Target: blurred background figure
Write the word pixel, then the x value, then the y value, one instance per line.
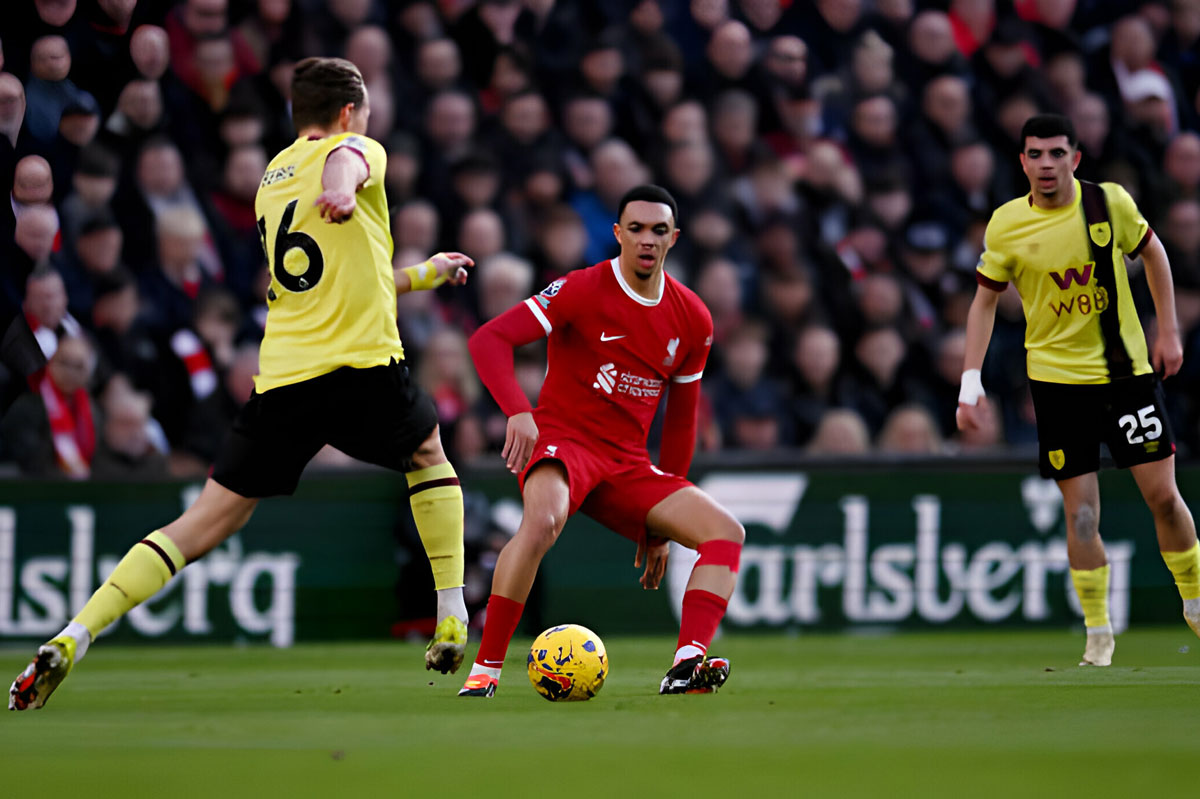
pixel 52 432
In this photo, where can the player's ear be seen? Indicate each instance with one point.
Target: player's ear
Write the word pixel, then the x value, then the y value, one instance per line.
pixel 675 237
pixel 344 116
pixel 1075 161
pixel 617 231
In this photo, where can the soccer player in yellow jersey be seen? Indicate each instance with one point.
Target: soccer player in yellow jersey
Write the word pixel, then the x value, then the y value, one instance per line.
pixel 332 372
pixel 1064 247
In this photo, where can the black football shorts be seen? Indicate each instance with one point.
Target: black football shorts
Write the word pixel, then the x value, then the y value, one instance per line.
pixel 376 415
pixel 1128 415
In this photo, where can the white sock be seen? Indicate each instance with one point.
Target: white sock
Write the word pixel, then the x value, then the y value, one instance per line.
pixel 451 603
pixel 1107 628
pixel 489 671
pixel 1191 608
pixel 82 637
pixel 687 651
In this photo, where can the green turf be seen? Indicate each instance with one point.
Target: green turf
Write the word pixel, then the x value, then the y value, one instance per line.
pixel 942 714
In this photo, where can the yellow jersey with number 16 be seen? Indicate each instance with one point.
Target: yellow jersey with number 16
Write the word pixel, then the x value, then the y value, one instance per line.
pixel 332 300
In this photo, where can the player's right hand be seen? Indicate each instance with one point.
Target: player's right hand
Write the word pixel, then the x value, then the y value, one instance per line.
pixel 519 441
pixel 972 418
pixel 336 206
pixel 451 264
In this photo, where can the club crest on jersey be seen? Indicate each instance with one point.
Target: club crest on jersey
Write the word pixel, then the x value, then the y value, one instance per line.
pixel 1058 459
pixel 1101 233
pixel 672 345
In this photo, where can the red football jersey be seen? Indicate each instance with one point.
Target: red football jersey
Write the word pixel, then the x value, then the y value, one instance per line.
pixel 611 352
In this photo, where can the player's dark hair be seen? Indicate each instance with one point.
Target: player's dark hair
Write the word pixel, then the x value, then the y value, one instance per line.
pixel 1047 126
pixel 650 193
pixel 321 87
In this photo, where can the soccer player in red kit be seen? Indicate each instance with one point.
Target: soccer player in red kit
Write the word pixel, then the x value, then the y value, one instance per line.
pixel 619 332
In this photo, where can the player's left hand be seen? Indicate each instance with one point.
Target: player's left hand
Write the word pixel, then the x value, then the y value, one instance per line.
pixel 1168 354
pixel 655 551
pixel 452 264
pixel 336 206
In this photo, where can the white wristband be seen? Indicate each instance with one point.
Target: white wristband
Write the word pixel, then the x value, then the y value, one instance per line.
pixel 972 388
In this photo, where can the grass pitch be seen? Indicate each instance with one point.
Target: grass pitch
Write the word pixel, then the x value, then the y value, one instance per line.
pixel 941 714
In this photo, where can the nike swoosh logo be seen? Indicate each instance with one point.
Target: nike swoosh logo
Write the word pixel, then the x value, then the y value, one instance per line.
pixel 610 338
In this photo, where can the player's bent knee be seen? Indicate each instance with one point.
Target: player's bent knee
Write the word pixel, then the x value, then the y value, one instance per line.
pixel 720 552
pixel 1163 499
pixel 542 530
pixel 1086 521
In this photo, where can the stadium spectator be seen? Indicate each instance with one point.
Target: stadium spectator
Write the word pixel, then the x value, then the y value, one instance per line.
pixel 840 432
pixel 909 430
pixel 51 432
pixel 931 50
pixel 169 288
pixel 45 303
pixel 14 134
pixel 815 365
pixel 481 232
pixel 126 449
pixel 617 169
pixel 189 26
pixel 33 183
pixel 503 281
pixel 445 372
pixel 560 241
pixel 150 50
pixel 48 90
pixel 415 226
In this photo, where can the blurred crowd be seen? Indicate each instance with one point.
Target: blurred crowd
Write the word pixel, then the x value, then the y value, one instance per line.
pixel 835 164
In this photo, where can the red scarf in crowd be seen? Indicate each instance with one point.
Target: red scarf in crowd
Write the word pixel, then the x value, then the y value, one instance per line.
pixel 71 427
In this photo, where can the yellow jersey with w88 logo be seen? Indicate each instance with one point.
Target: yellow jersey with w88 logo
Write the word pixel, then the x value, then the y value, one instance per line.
pixel 1047 255
pixel 332 299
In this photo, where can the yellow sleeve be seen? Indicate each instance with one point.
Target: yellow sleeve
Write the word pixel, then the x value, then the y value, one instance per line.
pixel 1129 226
pixel 371 151
pixel 995 264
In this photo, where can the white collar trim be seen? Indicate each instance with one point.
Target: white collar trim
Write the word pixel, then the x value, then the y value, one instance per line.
pixel 633 295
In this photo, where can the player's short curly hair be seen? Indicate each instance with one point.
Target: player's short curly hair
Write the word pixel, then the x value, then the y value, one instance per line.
pixel 321 87
pixel 648 192
pixel 1047 126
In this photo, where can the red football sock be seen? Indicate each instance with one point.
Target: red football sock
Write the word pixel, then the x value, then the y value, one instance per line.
pixel 702 612
pixel 503 614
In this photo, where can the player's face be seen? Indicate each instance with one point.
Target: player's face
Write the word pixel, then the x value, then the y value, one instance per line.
pixel 645 231
pixel 1050 166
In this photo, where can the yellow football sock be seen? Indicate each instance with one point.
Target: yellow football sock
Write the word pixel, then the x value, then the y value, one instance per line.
pixel 141 573
pixel 1186 568
pixel 437 508
pixel 1092 587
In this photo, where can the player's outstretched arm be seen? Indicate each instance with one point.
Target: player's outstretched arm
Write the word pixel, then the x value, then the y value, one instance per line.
pixel 445 267
pixel 1167 357
pixel 972 401
pixel 345 172
pixel 491 349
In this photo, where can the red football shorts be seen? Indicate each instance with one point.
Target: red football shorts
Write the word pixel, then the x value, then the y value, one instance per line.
pixel 617 490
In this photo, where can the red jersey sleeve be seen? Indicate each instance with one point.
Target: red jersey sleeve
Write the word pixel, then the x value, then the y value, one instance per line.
pixel 683 400
pixel 492 348
pixel 554 305
pixel 692 368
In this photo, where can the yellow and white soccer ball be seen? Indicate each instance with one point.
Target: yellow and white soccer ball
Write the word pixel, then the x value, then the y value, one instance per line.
pixel 567 663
